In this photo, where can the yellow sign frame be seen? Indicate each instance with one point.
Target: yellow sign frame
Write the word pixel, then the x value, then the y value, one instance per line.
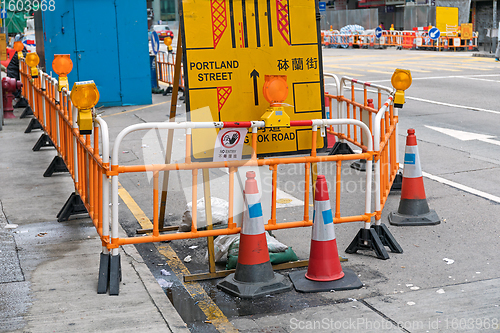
pixel 229 46
pixel 466 30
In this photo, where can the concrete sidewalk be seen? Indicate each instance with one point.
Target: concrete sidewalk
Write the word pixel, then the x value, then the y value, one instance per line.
pixel 48 270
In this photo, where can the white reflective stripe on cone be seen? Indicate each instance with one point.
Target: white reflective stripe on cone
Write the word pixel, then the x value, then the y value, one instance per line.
pixel 253 222
pixel 323 229
pixel 412 167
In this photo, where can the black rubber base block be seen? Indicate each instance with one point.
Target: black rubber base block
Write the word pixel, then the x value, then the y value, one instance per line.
pixel 254 289
pixel 304 285
pixel 430 218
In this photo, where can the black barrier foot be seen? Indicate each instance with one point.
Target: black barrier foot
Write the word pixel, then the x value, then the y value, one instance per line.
pixel 397 183
pixel 43 141
pixel 73 206
pixel 168 91
pixel 387 238
pixel 27 112
pixel 340 148
pixel 368 239
pixel 33 125
pixel 57 165
pixel 361 165
pixel 115 275
pixel 103 281
pixel 21 103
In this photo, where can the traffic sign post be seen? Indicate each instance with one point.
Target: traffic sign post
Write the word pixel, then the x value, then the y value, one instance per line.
pixel 434 33
pixel 155 42
pixel 230 47
pixel 155 45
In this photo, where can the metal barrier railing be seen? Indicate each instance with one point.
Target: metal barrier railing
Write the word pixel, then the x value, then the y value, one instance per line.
pixel 403 40
pixel 382 121
pixel 165 69
pixel 81 153
pixel 91 172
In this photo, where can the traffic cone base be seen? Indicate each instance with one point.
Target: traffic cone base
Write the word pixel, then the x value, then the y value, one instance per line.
pixel 430 218
pixel 302 284
pixel 254 289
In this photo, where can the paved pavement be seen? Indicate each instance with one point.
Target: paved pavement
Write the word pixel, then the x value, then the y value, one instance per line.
pixel 48 270
pixel 49 277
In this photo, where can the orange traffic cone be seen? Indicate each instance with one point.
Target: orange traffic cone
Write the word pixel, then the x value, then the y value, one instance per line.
pixel 324 272
pixel 413 207
pixel 254 275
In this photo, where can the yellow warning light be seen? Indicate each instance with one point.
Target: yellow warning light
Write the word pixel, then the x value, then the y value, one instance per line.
pixel 168 42
pixel 401 80
pixel 275 89
pixel 18 47
pixel 32 61
pixel 275 92
pixel 84 97
pixel 62 65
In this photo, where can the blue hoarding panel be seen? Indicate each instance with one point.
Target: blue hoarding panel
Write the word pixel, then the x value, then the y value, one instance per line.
pixel 107 41
pixel 134 52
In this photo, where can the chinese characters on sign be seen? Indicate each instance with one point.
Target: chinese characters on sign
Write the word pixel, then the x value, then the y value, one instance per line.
pixel 297 64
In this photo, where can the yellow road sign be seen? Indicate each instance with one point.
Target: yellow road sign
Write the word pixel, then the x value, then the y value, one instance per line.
pixel 3 47
pixel 466 30
pixel 231 45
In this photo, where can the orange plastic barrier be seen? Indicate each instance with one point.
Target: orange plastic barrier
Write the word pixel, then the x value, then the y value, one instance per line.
pixel 165 68
pixel 56 115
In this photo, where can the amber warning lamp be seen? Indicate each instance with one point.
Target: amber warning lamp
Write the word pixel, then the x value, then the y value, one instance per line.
pixel 62 65
pixel 275 92
pixel 18 47
pixel 401 80
pixel 32 61
pixel 84 97
pixel 168 40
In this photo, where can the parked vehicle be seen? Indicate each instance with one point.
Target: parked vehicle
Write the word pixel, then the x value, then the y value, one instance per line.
pixel 162 30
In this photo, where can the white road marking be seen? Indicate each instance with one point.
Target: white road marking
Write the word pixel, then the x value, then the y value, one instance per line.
pixel 444 77
pixel 462 187
pixel 452 105
pixel 465 136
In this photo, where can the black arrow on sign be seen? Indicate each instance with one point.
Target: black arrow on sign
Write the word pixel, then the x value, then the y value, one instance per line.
pixel 255 75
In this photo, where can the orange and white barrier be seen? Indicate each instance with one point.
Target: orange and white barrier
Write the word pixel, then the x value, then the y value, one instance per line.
pixel 416 39
pixel 56 116
pixel 165 68
pixel 91 172
pixel 383 124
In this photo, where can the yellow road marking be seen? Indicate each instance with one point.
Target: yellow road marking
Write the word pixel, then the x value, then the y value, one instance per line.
pixel 205 303
pixel 468 66
pixel 343 73
pixel 141 108
pixel 436 67
pixel 394 67
pixel 376 71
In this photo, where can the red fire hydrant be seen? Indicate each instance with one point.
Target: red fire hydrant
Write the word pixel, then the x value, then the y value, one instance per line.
pixel 9 85
pixel 369 103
